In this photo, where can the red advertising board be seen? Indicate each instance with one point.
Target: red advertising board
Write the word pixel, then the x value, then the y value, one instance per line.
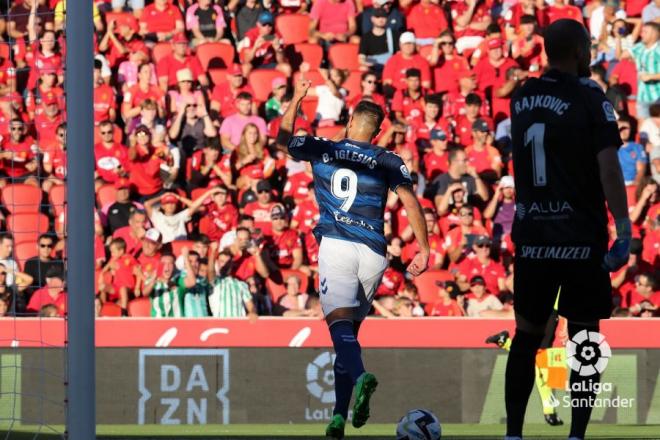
pixel 293 332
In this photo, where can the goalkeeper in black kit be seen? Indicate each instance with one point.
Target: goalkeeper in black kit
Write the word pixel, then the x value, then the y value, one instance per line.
pixel 565 141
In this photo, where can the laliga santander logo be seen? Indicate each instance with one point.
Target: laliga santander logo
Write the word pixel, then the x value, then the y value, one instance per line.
pixel 587 353
pixel 321 377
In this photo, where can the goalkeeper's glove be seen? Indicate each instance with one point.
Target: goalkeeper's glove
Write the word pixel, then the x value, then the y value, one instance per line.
pixel 618 254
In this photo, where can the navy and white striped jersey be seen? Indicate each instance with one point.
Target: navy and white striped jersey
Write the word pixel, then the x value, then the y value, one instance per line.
pixel 351 180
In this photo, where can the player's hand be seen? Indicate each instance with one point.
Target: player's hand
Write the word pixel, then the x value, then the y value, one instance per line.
pixel 418 264
pixel 619 253
pixel 301 88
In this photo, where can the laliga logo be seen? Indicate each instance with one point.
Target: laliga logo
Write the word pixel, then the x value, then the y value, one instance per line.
pixel 321 377
pixel 588 353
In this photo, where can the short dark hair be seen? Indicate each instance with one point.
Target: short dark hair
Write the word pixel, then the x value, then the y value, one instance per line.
pixel 453 152
pixel 473 99
pixel 598 70
pixel 371 111
pixel 203 239
pixel 47 235
pixel 655 110
pixel 493 28
pixel 119 242
pixel 527 19
pixel 6 236
pixel 434 98
pixel 413 72
pixel 244 95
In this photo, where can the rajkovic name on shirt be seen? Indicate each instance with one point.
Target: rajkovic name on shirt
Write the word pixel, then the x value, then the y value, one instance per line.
pixel 528 103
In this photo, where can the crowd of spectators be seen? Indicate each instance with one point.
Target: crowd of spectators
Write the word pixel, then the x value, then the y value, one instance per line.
pixel 198 215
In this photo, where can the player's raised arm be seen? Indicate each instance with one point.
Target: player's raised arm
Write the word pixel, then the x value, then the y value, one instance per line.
pixel 418 224
pixel 289 118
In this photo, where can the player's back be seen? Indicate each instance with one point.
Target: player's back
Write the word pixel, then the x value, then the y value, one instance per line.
pixel 559 124
pixel 351 181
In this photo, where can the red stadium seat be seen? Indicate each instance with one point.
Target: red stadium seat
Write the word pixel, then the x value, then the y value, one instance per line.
pixel 139 308
pixel 329 131
pixel 218 76
pixel 353 83
pixel 308 107
pixel 294 28
pixel 177 245
pixel 57 196
pixel 313 75
pixel 215 55
pixel 428 290
pixel 344 56
pixel 27 226
pixel 19 197
pixel 111 310
pixel 106 195
pixel 160 51
pixel 260 81
pixel 309 52
pixel 122 18
pixel 277 290
pixel 24 251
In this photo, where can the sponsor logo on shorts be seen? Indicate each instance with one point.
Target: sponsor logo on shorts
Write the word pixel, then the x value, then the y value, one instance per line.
pixel 555 252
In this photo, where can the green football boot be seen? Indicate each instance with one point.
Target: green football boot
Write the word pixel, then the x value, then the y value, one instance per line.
pixel 336 427
pixel 364 388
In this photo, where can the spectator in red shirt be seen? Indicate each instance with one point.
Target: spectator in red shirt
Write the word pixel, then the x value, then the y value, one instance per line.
pixel 483 157
pixel 262 48
pixel 133 234
pixel 495 79
pixel 480 263
pixel 19 156
pixel 47 86
pixel 251 153
pixel 471 19
pixel 144 164
pixel 179 59
pixel 117 278
pixel 160 21
pixel 527 48
pixel 46 123
pixel 429 120
pixel 562 9
pixel 148 259
pixel 53 293
pixel 644 292
pixel 54 161
pixel 44 50
pixel 143 91
pixel 224 94
pixel 459 240
pixel 247 256
pixel 368 87
pixel 436 161
pixel 406 58
pixel 332 21
pixel 284 243
pixel 104 97
pixel 306 213
pixel 523 7
pixel 407 103
pixel 437 255
pixel 456 102
pixel 463 123
pixel 261 209
pixel 449 66
pixel 221 216
pixel 446 305
pixel 427 20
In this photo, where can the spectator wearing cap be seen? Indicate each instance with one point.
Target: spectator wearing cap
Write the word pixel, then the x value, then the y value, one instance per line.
pixel 485 158
pixel 191 126
pixel 406 58
pixel 145 89
pixel 436 243
pixel 408 103
pixel 160 21
pixel 162 291
pixel 436 161
pixel 247 255
pixel 47 86
pixel 459 240
pixel 116 279
pixel 110 157
pixel 19 156
pixel 38 266
pixel 262 47
pixel 395 19
pixel 223 97
pixel 284 244
pixel 53 292
pixel 261 208
pixel 119 212
pixel 632 157
pixel 247 16
pixel 232 127
pixel 378 44
pixel 501 208
pixel 479 301
pixel 206 22
pixel 471 21
pixel 169 65
pixel 446 304
pixel 251 153
pixel 133 233
pixel 192 288
pixel 273 107
pixel 145 162
pixel 472 110
pixel 480 263
pixel 427 20
pixel 527 47
pixel 562 9
pixel 46 123
pixel 449 65
pixel 220 217
pixel 493 80
pixel 332 21
pixel 229 296
pixel 460 172
pixel 170 223
pixel 184 93
pixel 148 259
pixel 644 292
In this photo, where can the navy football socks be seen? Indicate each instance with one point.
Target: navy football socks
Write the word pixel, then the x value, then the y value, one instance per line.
pixel 343 389
pixel 347 348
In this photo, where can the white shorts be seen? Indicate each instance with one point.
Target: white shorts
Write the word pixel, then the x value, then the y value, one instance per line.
pixel 350 274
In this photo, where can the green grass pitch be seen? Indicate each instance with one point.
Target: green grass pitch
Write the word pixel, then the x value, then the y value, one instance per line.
pixel 313 431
